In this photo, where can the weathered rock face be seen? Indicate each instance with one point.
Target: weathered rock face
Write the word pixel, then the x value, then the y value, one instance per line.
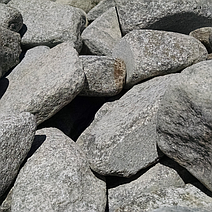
pixel 122 138
pixel 104 76
pixel 10 18
pixel 181 16
pixel 45 86
pixel 102 34
pixel 16 136
pixel 184 121
pixel 10 49
pixel 149 53
pixel 57 178
pixel 158 187
pixel 179 209
pixel 42 28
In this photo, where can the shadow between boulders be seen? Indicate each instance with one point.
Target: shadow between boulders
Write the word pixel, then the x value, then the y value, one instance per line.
pixel 4 83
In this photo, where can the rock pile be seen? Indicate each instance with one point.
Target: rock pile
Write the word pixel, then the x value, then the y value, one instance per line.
pixel 106 105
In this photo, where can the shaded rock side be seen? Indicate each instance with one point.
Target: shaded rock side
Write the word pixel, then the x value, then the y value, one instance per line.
pixel 105 76
pixel 16 136
pixel 10 18
pixel 49 23
pixel 103 33
pixel 122 138
pixel 45 86
pixel 149 53
pixel 184 121
pixel 57 178
pixel 159 187
pixel 181 16
pixel 10 49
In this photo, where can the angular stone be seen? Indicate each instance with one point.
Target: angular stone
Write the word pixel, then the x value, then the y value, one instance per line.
pixel 122 138
pixel 160 186
pixel 181 16
pixel 100 8
pixel 57 177
pixel 82 4
pixel 184 121
pixel 161 52
pixel 179 209
pixel 45 86
pixel 102 34
pixel 10 18
pixel 16 134
pixel 10 49
pixel 104 76
pixel 50 23
pixel 203 35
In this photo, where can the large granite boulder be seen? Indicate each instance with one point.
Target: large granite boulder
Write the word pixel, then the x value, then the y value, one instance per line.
pixel 57 178
pixel 104 76
pixel 50 23
pixel 184 121
pixel 10 18
pixel 149 53
pixel 16 137
pixel 10 49
pixel 103 33
pixel 122 138
pixel 46 85
pixel 181 16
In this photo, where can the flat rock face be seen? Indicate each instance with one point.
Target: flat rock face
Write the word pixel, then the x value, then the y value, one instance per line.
pixel 160 186
pixel 184 121
pixel 16 136
pixel 10 49
pixel 105 76
pixel 122 138
pixel 45 86
pixel 10 18
pixel 179 209
pixel 103 33
pixel 42 28
pixel 57 178
pixel 181 16
pixel 149 53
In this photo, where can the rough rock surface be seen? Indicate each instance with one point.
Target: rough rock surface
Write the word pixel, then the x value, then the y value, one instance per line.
pixel 10 18
pixel 181 16
pixel 184 121
pixel 99 9
pixel 149 53
pixel 85 5
pixel 47 85
pixel 122 138
pixel 158 187
pixel 102 34
pixel 179 209
pixel 10 49
pixel 57 178
pixel 16 136
pixel 104 76
pixel 203 35
pixel 42 28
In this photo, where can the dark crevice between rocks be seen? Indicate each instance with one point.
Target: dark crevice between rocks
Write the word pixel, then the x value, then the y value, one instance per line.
pixel 122 34
pixel 85 50
pixel 4 83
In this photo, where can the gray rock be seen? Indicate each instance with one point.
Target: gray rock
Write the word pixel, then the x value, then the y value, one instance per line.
pixel 4 1
pixel 42 28
pixel 184 121
pixel 100 8
pixel 85 5
pixel 179 209
pixel 104 76
pixel 10 18
pixel 181 16
pixel 122 138
pixel 161 52
pixel 47 85
pixel 10 49
pixel 102 34
pixel 209 57
pixel 203 35
pixel 160 186
pixel 57 178
pixel 6 205
pixel 16 134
